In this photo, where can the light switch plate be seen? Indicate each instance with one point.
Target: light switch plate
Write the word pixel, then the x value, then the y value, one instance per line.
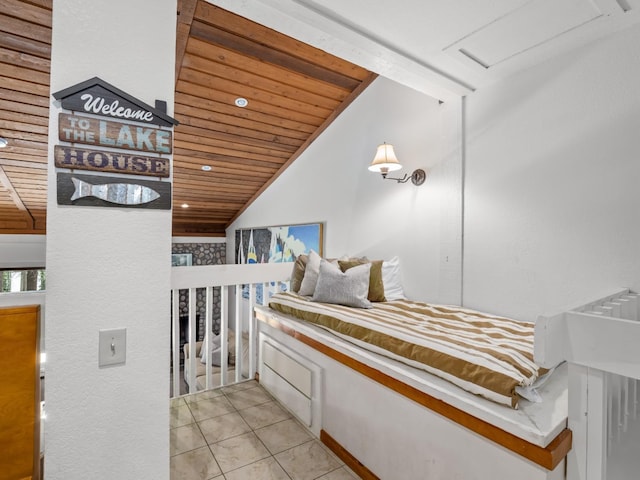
pixel 112 349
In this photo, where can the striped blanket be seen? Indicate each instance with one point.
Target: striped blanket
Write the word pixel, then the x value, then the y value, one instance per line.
pixel 481 353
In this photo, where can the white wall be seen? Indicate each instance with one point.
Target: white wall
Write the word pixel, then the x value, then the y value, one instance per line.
pixel 364 215
pixel 552 177
pixel 108 267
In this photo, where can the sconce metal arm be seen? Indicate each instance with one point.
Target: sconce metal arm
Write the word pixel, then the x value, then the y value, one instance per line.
pixel 417 177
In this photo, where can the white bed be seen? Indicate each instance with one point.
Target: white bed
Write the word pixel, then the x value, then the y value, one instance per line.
pixel 390 420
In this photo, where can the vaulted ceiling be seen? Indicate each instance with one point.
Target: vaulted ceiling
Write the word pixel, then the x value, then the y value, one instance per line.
pixel 224 155
pixel 294 90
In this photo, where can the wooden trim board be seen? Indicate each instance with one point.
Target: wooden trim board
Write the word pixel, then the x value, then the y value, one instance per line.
pixel 548 457
pixel 343 454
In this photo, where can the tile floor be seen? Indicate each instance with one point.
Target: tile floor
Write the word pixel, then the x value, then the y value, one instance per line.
pixel 241 433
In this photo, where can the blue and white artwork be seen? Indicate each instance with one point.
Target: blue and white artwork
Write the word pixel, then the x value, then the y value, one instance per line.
pixel 276 245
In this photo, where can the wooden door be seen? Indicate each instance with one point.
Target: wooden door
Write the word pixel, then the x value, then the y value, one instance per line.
pixel 19 393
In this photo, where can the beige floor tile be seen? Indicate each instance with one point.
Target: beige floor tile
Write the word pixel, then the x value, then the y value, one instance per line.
pixel 196 464
pixel 240 386
pixel 307 461
pixel 283 435
pixel 264 415
pixel 201 396
pixel 239 451
pixel 176 402
pixel 187 437
pixel 222 427
pixel 248 398
pixel 211 408
pixel 339 474
pixel 180 415
pixel 267 469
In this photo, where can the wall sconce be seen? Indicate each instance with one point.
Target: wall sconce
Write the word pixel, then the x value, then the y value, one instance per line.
pixel 385 161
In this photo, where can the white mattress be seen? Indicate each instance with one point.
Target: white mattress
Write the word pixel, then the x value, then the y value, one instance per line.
pixel 538 423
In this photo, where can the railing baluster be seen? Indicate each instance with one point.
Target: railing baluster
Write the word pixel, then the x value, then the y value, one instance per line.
pixel 238 330
pixel 211 277
pixel 615 308
pixel 625 404
pixel 192 341
pixel 252 332
pixel 208 332
pixel 175 340
pixel 224 333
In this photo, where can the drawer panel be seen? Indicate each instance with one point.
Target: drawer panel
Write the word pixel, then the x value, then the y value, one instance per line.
pixel 297 375
pixel 291 398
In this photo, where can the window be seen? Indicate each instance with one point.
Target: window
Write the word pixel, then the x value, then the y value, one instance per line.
pixel 22 280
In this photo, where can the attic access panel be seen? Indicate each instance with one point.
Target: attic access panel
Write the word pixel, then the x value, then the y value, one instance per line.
pixel 538 23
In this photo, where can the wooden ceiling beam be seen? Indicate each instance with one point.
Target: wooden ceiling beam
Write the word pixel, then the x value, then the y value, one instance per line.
pixel 186 9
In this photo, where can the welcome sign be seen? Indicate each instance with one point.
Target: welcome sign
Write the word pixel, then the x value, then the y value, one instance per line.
pixel 97 97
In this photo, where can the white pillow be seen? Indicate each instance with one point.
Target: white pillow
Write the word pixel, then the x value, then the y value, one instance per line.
pixel 216 350
pixel 348 288
pixel 308 285
pixel 391 280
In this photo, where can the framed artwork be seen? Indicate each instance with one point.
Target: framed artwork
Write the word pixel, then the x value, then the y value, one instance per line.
pixel 278 244
pixel 181 259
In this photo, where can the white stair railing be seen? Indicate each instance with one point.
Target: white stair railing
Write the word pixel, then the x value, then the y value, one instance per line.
pixel 230 279
pixel 600 341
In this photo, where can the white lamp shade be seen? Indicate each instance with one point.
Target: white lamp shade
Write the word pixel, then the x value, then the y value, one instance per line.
pixel 385 160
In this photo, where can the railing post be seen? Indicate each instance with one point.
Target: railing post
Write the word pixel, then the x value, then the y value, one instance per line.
pixel 238 330
pixel 175 340
pixel 208 331
pixel 192 341
pixel 252 332
pixel 224 332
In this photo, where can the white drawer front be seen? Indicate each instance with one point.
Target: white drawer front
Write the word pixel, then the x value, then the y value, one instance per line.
pixel 296 374
pixel 295 401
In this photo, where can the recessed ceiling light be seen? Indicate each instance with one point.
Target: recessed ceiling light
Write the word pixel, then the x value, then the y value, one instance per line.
pixel 206 168
pixel 185 205
pixel 3 142
pixel 241 102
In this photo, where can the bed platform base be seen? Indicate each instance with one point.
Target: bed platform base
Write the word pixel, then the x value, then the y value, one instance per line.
pixel 548 457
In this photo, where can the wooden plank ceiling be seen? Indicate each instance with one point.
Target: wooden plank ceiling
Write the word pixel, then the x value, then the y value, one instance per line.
pixel 294 92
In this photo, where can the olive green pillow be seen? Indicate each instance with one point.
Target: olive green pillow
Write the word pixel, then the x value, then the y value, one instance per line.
pixel 376 286
pixel 298 272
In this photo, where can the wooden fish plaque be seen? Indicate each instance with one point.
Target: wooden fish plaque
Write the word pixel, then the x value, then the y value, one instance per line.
pixel 112 134
pixel 107 161
pixel 109 191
